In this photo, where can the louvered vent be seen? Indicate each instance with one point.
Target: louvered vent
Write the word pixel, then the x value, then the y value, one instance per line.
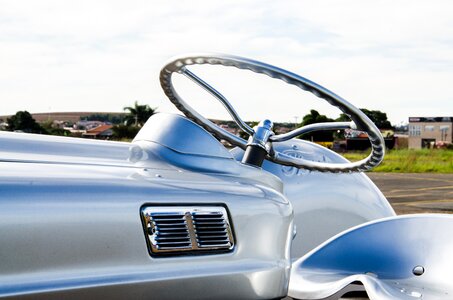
pixel 211 230
pixel 174 230
pixel 169 231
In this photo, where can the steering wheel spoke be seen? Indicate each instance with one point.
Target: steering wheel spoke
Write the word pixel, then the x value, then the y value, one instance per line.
pixel 246 128
pixel 310 128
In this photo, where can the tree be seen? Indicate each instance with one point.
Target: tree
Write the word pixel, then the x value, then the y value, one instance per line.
pixel 319 136
pixel 121 132
pixel 111 118
pixel 138 114
pixel 50 128
pixel 23 121
pixel 378 117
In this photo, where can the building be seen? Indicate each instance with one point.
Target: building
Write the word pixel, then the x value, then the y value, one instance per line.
pixel 429 132
pixel 101 132
pixel 358 140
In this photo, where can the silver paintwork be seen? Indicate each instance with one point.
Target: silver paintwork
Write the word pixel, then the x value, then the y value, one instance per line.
pixel 179 64
pixel 181 135
pixel 70 219
pixel 31 148
pixel 382 255
pixel 190 147
pixel 324 204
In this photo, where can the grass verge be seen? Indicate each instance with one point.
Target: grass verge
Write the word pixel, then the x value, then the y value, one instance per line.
pixel 411 161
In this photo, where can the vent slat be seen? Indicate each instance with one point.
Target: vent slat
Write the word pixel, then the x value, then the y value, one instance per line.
pixel 208 238
pixel 214 243
pixel 163 222
pixel 173 238
pixel 170 226
pixel 169 216
pixel 212 233
pixel 210 227
pixel 177 243
pixel 172 233
pixel 174 246
pixel 208 223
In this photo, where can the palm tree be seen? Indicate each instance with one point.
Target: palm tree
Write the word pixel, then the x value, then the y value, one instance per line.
pixel 138 114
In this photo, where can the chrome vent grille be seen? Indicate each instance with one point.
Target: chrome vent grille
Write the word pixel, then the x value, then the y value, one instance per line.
pixel 169 231
pixel 211 230
pixel 174 230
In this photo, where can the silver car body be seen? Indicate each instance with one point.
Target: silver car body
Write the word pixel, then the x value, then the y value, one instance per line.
pixel 71 227
pixel 70 224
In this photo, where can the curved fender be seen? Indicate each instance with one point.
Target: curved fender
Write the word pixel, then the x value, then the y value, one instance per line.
pixel 406 257
pixel 324 204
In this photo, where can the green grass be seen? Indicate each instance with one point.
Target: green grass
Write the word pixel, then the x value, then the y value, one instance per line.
pixel 411 161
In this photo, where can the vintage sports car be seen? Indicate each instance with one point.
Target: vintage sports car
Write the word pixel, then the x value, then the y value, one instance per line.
pixel 175 215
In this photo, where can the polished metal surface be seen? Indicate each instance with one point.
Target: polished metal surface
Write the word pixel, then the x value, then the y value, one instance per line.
pixel 80 218
pixel 181 135
pixel 263 131
pixel 70 223
pixel 73 231
pixel 310 128
pixel 324 204
pixel 184 145
pixel 196 230
pixel 405 257
pixel 38 148
pixel 246 128
pixel 362 122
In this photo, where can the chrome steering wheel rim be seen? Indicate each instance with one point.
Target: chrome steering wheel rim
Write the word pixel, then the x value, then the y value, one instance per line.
pixel 360 120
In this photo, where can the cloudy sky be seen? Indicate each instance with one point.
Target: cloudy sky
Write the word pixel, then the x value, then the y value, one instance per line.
pixel 392 55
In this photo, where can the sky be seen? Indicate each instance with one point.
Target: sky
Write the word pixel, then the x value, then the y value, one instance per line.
pixel 390 55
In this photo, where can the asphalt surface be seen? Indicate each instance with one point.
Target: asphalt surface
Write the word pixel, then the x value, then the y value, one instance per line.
pixel 416 193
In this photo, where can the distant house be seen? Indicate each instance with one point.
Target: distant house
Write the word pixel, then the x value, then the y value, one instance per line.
pixel 358 140
pixel 87 125
pixel 101 132
pixel 428 132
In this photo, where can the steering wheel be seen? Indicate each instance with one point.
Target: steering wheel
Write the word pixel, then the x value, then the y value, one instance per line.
pixel 265 137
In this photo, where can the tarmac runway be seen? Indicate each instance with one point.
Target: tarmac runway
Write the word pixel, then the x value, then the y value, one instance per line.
pixel 416 192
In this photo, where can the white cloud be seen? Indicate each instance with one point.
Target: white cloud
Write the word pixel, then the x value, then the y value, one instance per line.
pixel 394 56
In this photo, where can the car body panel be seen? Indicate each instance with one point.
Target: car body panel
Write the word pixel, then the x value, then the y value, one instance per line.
pixel 71 226
pixel 324 204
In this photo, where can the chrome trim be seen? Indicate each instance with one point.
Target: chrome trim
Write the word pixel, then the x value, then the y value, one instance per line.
pixel 263 131
pixel 310 128
pixel 246 128
pixel 175 229
pixel 358 117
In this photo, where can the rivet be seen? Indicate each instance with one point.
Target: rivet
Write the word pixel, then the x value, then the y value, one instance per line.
pixel 418 270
